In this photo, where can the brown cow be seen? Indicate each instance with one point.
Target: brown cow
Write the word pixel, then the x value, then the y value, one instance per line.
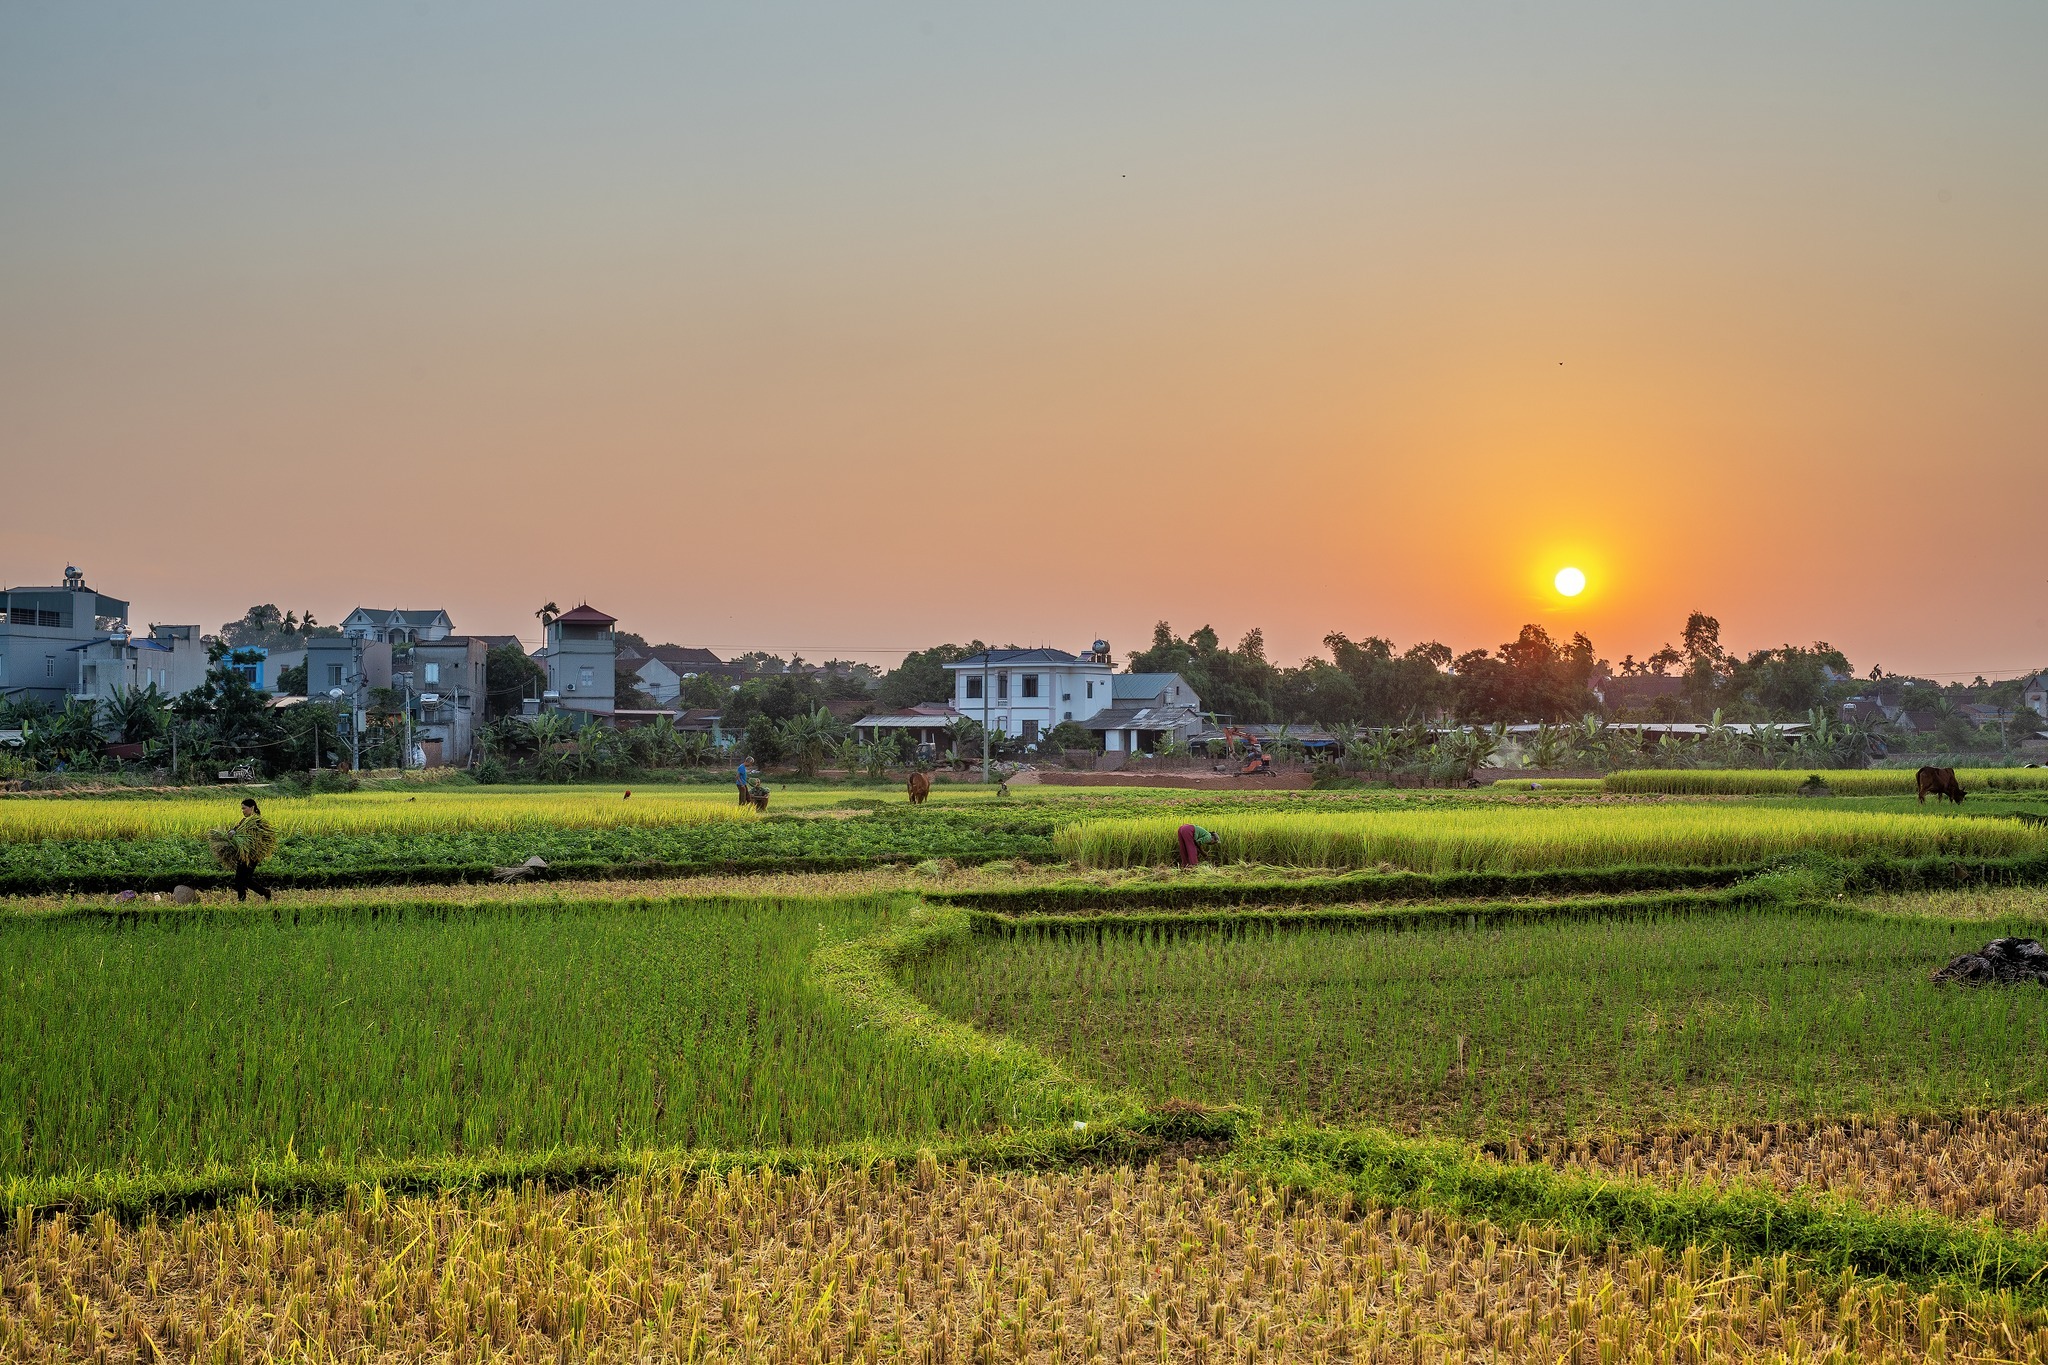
pixel 920 787
pixel 1941 781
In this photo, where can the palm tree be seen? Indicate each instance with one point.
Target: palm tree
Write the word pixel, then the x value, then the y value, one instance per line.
pixel 547 614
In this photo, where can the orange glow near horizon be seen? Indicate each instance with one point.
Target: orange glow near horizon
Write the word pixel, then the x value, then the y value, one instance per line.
pixel 883 329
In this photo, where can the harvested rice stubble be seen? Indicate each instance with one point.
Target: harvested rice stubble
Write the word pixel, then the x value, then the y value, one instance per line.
pixel 1991 1164
pixel 930 1265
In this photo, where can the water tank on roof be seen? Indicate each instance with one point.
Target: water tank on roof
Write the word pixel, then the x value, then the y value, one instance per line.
pixel 1101 649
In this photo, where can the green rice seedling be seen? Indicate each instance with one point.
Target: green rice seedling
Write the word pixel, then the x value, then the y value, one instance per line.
pixel 1785 781
pixel 1566 1026
pixel 1508 838
pixel 178 1042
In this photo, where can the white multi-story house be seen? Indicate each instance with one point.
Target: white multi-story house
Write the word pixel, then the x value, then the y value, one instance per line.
pixel 1025 692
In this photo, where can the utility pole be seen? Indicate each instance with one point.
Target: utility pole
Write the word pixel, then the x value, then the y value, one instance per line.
pixel 984 717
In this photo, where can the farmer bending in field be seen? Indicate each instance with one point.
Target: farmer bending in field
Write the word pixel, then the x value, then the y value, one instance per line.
pixel 1193 840
pixel 242 848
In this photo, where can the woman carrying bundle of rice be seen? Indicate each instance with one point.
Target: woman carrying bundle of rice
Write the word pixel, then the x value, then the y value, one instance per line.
pixel 240 849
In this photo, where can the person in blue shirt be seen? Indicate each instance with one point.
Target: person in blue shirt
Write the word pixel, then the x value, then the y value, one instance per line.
pixel 744 781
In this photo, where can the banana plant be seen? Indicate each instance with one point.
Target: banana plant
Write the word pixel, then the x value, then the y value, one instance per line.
pixel 1549 747
pixel 1766 742
pixel 808 737
pixel 136 715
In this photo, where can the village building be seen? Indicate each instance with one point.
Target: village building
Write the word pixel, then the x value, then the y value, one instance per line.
pixel 396 626
pixel 663 669
pixel 40 630
pixel 1025 692
pixel 443 683
pixel 2034 696
pixel 171 659
pixel 927 723
pixel 580 657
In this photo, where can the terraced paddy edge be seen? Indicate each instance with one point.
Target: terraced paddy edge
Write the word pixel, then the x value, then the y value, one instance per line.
pixel 1830 1236
pixel 1978 1165
pixel 147 1049
pixel 928 1264
pixel 1549 1026
pixel 1412 915
pixel 1517 839
pixel 1204 888
pixel 1784 781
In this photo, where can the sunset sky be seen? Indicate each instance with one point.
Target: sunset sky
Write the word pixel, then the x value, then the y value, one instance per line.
pixel 850 329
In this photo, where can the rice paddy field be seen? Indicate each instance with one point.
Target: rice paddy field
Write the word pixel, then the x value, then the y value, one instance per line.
pixel 1567 1027
pixel 991 1081
pixel 1498 838
pixel 167 1042
pixel 1783 781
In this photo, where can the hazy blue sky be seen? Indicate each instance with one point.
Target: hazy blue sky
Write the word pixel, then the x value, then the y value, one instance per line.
pixel 858 328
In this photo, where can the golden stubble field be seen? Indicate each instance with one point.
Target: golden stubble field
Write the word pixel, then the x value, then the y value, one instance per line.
pixel 1173 1263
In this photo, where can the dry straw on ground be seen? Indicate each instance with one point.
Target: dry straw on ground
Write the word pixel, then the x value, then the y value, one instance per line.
pixel 933 1266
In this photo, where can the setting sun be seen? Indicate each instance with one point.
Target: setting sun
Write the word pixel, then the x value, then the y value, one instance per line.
pixel 1571 582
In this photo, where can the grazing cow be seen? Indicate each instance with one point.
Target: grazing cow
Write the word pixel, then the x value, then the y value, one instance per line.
pixel 920 785
pixel 1941 781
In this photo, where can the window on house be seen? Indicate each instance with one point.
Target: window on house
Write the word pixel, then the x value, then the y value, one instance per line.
pixel 334 675
pixel 431 673
pixel 1091 691
pixel 585 679
pixel 1030 684
pixel 1031 731
pixel 973 688
pixel 1002 687
pixel 49 665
